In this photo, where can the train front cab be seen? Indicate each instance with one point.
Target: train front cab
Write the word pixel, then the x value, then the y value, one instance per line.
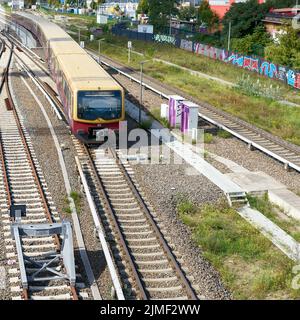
pixel 97 111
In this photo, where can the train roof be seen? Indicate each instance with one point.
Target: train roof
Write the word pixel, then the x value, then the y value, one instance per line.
pixel 66 46
pixel 86 75
pixel 80 69
pixel 50 29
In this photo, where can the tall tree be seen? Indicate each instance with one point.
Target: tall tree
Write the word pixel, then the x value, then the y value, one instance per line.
pixel 206 15
pixel 253 43
pixel 287 49
pixel 244 17
pixel 280 3
pixel 160 12
pixel 143 7
pixel 188 13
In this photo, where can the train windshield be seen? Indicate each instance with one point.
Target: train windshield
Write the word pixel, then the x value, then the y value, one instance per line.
pixel 93 105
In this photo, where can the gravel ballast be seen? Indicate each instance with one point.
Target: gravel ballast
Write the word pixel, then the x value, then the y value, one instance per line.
pixel 163 186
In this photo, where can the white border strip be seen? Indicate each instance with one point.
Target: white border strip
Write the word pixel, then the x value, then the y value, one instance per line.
pixel 288 245
pixel 105 247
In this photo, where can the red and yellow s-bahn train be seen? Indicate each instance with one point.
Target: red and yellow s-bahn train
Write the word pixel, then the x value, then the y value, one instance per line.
pixel 93 101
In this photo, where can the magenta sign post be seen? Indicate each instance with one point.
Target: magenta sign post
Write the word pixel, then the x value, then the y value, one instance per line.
pixel 184 118
pixel 175 110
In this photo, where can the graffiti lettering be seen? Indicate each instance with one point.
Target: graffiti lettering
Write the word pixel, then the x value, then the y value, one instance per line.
pixel 186 45
pixel 164 39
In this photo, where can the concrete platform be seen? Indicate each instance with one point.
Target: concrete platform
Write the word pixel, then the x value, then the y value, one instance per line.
pixel 255 181
pixel 287 200
pixel 260 182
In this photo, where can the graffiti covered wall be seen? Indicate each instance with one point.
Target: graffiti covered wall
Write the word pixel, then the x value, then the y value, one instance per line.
pixel 255 64
pixel 266 68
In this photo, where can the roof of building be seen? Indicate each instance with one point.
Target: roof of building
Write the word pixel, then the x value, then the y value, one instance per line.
pixel 286 10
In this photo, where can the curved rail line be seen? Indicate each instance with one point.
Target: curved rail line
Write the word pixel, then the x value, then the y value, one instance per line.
pixel 24 184
pixel 156 272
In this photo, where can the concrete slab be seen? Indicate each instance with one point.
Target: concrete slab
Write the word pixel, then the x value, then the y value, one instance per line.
pixel 255 181
pixel 288 245
pixel 287 200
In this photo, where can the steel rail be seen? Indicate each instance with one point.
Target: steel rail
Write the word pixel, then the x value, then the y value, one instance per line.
pixel 5 176
pixel 190 291
pixel 109 208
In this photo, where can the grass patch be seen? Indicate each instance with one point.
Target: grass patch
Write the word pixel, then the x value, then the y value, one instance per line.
pixel 156 114
pixel 249 264
pixel 185 207
pixel 208 138
pixel 206 155
pixel 146 125
pixel 76 196
pixel 67 208
pixel 77 201
pixel 224 134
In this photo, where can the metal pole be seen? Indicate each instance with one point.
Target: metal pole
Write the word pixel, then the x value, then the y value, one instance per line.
pixel 170 31
pixel 141 94
pixel 99 50
pixel 229 36
pixel 79 36
pixel 129 55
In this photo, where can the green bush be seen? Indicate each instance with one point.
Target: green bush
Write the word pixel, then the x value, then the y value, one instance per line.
pixel 208 138
pixel 186 206
pixel 224 134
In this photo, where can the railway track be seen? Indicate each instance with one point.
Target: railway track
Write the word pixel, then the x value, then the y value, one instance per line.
pixel 154 272
pixel 145 261
pixel 22 183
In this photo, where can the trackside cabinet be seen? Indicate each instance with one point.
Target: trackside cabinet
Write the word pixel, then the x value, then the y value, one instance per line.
pixel 164 111
pixel 189 116
pixel 175 110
